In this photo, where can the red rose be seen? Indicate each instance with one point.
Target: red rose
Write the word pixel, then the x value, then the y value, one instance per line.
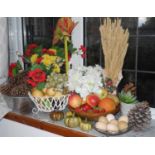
pixel 32 46
pixel 44 50
pixel 32 83
pixel 36 76
pixel 28 52
pixel 39 60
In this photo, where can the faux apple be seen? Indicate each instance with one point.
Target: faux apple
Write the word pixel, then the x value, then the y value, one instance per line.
pixel 102 93
pixel 86 107
pixel 92 100
pixel 107 104
pixel 75 100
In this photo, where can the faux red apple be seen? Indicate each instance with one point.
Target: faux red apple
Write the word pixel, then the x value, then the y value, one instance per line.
pixel 92 100
pixel 75 100
pixel 86 107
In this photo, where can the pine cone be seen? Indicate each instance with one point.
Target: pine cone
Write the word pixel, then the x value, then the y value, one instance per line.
pixel 6 89
pixel 140 116
pixel 130 87
pixel 20 90
pixel 18 79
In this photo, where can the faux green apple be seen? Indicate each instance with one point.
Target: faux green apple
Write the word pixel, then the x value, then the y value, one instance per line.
pixel 102 93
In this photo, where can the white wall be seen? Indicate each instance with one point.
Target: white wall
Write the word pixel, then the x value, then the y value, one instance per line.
pixel 3 49
pixel 77 39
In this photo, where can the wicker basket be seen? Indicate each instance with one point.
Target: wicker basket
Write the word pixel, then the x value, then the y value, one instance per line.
pixel 93 116
pixel 49 104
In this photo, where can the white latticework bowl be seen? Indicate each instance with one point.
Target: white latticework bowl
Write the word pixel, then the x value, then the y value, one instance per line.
pixel 48 104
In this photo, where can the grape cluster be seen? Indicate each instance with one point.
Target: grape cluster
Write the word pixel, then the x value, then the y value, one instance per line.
pixel 57 81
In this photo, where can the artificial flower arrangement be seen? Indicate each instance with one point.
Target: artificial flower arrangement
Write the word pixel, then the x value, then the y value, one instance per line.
pixel 42 62
pixel 90 92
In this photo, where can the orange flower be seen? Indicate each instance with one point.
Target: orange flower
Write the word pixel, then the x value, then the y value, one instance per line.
pixel 64 27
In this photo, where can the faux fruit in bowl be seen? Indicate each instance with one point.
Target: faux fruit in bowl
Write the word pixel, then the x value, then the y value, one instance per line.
pixel 49 99
pixel 93 107
pixel 75 100
pixel 109 125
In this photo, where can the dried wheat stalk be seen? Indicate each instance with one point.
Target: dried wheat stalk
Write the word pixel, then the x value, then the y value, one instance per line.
pixel 114 44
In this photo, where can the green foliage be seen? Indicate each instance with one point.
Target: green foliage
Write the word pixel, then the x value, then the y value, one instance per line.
pixel 15 71
pixel 40 66
pixel 41 86
pixel 127 98
pixel 60 51
pixel 19 66
pixel 71 48
pixel 38 50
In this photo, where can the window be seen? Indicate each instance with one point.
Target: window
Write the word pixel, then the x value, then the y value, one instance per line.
pixel 139 64
pixel 39 30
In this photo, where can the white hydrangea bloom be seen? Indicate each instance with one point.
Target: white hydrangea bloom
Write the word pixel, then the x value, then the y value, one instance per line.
pixel 85 80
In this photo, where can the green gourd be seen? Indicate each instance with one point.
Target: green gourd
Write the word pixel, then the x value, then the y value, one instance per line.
pixel 85 126
pixel 72 121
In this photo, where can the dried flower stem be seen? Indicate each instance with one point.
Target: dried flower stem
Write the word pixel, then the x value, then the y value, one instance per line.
pixel 114 43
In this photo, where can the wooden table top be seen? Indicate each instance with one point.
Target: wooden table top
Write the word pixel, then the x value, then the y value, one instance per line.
pixel 53 128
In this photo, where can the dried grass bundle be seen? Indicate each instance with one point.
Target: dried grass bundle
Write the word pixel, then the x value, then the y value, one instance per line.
pixel 114 44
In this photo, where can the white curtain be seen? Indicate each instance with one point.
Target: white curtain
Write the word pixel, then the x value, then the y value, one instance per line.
pixel 15 38
pixel 3 49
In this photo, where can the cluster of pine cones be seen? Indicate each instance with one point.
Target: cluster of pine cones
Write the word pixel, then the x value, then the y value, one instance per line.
pixel 16 86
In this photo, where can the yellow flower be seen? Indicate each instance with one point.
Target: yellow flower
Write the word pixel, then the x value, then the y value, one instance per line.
pixel 48 60
pixel 53 59
pixel 56 68
pixel 34 58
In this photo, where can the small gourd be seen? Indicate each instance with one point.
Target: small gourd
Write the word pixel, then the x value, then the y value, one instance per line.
pixel 57 115
pixel 85 126
pixel 72 121
pixel 68 114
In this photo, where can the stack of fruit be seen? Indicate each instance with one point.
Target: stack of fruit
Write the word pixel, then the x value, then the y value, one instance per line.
pixel 110 125
pixel 53 95
pixel 55 87
pixel 94 105
pixel 46 92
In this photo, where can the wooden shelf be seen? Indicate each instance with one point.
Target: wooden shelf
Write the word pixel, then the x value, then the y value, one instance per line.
pixel 45 126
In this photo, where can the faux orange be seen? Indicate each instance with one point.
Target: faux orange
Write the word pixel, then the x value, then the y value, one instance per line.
pixel 107 104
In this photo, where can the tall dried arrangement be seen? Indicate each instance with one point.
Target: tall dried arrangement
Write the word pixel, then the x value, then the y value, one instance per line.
pixel 114 41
